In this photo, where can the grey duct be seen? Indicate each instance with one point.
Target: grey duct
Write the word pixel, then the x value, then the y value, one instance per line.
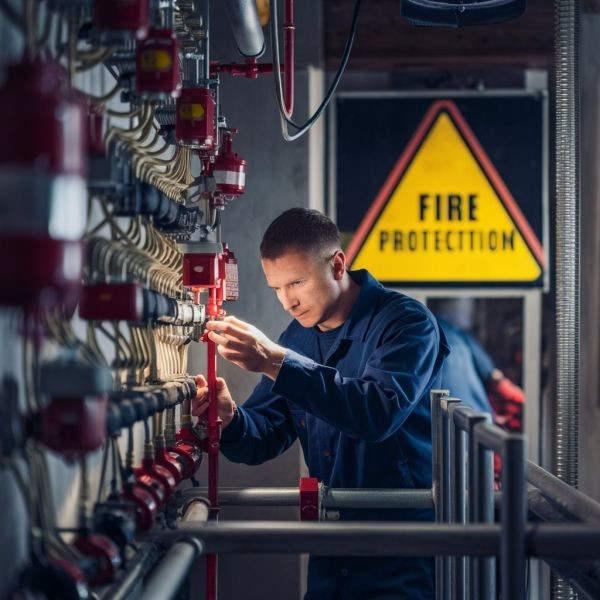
pixel 567 251
pixel 246 27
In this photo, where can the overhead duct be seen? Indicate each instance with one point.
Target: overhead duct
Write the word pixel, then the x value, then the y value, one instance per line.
pixel 246 27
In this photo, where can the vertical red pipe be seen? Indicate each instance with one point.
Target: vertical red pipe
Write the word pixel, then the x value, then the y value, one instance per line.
pixel 214 436
pixel 288 45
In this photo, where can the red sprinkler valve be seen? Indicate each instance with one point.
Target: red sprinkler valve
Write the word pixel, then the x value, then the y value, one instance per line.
pixel 229 170
pixel 195 120
pixel 158 76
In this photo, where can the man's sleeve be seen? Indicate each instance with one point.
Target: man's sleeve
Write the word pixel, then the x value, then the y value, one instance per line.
pixel 374 404
pixel 261 429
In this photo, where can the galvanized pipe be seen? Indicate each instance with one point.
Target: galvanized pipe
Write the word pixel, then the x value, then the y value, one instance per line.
pixel 566 455
pixel 445 488
pixel 376 498
pixel 566 540
pixel 513 519
pixel 491 436
pixel 348 538
pixel 584 576
pixel 474 488
pixel 457 500
pixel 197 510
pixel 246 28
pixel 485 507
pixel 333 498
pixel 137 568
pixel 571 502
pixel 166 579
pixel 437 448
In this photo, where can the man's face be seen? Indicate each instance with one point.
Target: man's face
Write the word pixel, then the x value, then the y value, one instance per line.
pixel 307 286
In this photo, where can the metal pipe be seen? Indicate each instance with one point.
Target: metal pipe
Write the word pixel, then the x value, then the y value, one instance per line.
pixel 167 578
pixel 485 507
pixel 376 498
pixel 137 568
pixel 437 455
pixel 566 454
pixel 514 515
pixel 457 500
pixel 565 540
pixel 461 415
pixel 342 538
pixel 573 503
pixel 196 510
pixel 491 436
pixel 445 404
pixel 473 485
pixel 246 28
pixel 333 498
pixel 583 576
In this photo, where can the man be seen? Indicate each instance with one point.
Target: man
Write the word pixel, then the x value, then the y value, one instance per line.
pixel 350 378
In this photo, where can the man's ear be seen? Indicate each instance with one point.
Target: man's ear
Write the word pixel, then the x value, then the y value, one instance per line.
pixel 338 263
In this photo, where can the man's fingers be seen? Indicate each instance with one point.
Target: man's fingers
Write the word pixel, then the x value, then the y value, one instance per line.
pixel 200 381
pixel 226 342
pixel 238 322
pixel 231 355
pixel 229 329
pixel 199 409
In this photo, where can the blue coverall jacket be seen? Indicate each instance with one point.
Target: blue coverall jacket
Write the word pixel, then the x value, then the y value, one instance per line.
pixel 363 420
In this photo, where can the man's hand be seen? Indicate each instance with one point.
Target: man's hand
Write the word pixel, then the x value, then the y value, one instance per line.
pixel 246 346
pixel 225 404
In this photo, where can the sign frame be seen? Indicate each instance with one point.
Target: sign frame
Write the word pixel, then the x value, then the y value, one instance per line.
pixel 536 89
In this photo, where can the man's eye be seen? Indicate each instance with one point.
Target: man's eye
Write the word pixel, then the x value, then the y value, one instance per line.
pixel 296 283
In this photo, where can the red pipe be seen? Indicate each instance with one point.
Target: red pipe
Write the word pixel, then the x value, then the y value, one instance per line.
pixel 288 50
pixel 214 436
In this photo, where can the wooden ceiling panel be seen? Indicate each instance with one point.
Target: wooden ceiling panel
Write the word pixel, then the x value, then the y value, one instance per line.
pixel 384 41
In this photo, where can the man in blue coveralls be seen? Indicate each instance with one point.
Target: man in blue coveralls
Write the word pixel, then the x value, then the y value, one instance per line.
pixel 350 378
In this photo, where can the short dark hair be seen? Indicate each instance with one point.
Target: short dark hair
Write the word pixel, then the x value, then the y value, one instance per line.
pixel 301 229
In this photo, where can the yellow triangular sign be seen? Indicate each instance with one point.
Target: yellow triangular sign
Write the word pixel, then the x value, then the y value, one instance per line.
pixel 444 215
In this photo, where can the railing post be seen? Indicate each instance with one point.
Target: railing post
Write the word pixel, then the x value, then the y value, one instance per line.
pixel 514 514
pixel 437 479
pixel 485 513
pixel 446 483
pixel 457 500
pixel 473 488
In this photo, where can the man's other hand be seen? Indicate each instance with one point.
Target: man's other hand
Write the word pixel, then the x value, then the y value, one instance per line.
pixel 225 404
pixel 246 346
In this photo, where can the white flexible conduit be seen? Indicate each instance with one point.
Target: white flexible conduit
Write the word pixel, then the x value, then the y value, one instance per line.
pixel 566 453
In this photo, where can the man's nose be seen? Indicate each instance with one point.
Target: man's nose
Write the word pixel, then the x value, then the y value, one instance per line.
pixel 288 300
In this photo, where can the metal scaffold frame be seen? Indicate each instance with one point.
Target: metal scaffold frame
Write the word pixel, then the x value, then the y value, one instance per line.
pixel 472 540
